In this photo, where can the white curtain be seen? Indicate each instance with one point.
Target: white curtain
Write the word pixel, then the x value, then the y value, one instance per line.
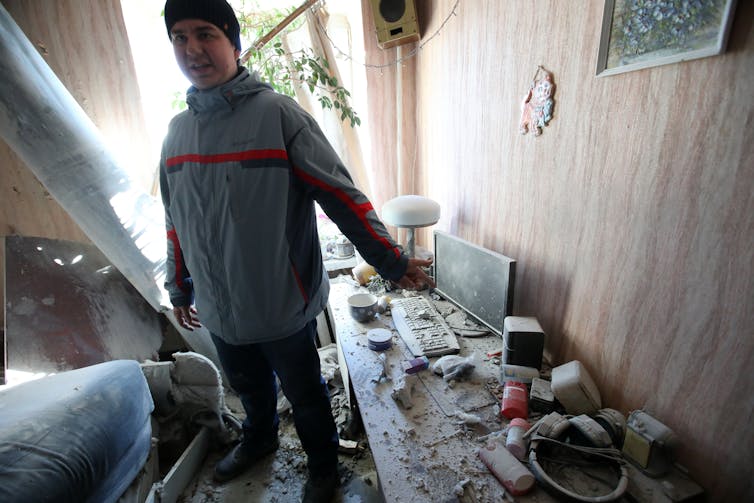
pixel 343 137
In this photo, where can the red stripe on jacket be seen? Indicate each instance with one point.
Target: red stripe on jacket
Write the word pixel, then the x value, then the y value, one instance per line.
pixel 246 155
pixel 360 210
pixel 300 283
pixel 178 259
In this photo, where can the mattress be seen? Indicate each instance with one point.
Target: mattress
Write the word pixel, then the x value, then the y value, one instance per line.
pixel 77 436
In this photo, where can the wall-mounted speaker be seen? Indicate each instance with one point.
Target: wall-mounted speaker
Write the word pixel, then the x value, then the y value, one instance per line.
pixel 395 21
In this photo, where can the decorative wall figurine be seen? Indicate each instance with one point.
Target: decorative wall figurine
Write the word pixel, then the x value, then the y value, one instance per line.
pixel 538 104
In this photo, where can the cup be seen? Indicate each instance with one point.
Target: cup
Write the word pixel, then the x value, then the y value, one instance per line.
pixel 343 248
pixel 362 306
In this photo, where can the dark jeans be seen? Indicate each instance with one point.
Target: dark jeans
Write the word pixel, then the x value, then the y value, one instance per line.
pixel 251 370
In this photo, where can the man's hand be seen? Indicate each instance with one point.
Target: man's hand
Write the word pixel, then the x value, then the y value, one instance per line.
pixel 186 317
pixel 415 277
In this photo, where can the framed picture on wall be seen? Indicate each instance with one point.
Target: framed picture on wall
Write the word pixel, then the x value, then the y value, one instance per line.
pixel 639 34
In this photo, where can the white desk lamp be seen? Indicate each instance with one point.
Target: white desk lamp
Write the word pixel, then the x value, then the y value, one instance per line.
pixel 410 212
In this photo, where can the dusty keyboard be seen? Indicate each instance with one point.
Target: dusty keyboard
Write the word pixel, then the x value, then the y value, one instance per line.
pixel 422 328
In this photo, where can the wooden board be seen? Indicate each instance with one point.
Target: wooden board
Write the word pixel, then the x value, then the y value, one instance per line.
pixel 67 307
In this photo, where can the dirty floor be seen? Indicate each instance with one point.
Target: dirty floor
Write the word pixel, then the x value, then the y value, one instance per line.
pixel 280 478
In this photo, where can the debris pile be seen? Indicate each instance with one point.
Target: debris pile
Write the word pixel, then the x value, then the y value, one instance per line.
pixel 553 432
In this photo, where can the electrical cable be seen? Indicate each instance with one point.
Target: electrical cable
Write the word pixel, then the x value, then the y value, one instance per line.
pixel 546 480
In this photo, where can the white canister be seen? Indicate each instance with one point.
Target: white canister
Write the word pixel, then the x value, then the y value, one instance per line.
pixel 514 476
pixel 515 441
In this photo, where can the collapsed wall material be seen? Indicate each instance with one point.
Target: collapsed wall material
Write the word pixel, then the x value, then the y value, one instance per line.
pixel 50 132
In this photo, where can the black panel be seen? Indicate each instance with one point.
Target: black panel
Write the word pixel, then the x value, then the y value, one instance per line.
pixel 392 10
pixel 478 280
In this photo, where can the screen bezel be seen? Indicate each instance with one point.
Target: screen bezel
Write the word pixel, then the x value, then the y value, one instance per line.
pixel 503 271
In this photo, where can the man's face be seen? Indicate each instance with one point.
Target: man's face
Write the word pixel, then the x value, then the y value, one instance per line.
pixel 204 54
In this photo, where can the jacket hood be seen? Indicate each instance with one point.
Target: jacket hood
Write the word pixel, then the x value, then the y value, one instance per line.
pixel 228 94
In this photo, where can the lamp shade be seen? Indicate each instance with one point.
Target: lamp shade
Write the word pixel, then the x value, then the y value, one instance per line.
pixel 410 211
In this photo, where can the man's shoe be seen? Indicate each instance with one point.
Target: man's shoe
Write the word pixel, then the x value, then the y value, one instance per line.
pixel 240 459
pixel 321 489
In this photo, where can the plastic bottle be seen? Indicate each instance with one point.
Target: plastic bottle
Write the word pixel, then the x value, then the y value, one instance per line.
pixel 515 441
pixel 516 478
pixel 515 401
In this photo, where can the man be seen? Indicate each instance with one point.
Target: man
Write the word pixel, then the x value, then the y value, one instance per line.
pixel 240 171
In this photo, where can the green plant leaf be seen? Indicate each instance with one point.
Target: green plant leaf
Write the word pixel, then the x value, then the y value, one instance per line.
pixel 282 69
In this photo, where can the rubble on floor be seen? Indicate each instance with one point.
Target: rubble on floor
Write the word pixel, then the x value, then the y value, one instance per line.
pixel 281 477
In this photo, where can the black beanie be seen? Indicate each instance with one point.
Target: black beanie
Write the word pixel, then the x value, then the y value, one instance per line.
pixel 217 12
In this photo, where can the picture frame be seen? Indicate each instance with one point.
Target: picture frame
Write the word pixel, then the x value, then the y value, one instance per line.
pixel 638 34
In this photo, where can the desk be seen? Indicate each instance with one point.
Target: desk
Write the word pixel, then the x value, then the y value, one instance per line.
pixel 335 265
pixel 423 453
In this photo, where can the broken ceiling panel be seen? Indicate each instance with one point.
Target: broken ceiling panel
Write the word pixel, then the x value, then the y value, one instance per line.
pixel 59 143
pixel 48 130
pixel 67 307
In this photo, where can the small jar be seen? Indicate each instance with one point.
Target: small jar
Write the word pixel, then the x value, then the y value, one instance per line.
pixel 515 401
pixel 515 441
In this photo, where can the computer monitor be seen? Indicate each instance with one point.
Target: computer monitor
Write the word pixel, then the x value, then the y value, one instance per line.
pixel 477 280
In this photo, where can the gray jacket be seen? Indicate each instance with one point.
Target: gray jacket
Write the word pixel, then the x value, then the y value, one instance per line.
pixel 239 173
